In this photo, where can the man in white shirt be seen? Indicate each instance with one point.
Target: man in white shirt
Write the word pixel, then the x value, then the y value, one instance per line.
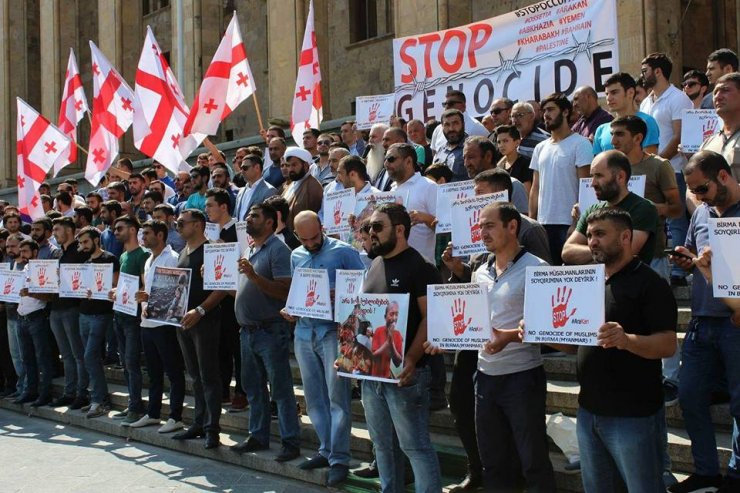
pixel 456 100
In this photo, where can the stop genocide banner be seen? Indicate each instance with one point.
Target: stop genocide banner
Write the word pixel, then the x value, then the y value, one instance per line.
pixel 549 46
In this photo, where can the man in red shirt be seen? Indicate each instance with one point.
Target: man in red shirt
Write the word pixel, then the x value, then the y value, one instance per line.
pixel 387 344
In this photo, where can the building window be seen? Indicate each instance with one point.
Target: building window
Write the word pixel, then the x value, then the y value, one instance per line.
pixel 369 19
pixel 149 6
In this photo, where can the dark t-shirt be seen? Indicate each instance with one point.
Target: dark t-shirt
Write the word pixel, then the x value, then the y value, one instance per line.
pixel 228 317
pixel 70 255
pixel 100 307
pixel 193 261
pixel 616 382
pixel 407 272
pixel 520 169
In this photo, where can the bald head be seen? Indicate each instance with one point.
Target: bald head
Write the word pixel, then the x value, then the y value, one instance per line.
pixel 585 101
pixel 307 226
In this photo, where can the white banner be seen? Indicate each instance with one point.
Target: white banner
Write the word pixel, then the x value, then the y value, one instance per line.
pixel 242 236
pixel 576 295
pixel 220 266
pixel 73 280
pixel 459 316
pixel 11 283
pixel 587 196
pixel 549 46
pixel 126 290
pixel 213 232
pixel 348 283
pixel 374 109
pixel 446 194
pixel 43 276
pixel 696 127
pixel 338 206
pixel 101 280
pixel 724 238
pixel 466 234
pixel 310 295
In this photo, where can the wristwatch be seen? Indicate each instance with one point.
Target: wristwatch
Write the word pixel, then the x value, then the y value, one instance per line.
pixel 201 311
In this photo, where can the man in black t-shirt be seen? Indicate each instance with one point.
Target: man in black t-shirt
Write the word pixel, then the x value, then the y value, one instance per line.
pixel 402 407
pixel 198 340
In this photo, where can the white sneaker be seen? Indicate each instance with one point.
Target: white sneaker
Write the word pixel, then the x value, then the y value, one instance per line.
pixel 170 426
pixel 145 421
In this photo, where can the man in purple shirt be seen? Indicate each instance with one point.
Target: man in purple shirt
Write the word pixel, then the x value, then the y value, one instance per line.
pixel 586 104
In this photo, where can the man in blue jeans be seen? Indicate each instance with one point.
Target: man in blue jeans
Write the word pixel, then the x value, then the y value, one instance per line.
pixel 12 252
pixel 265 336
pixel 712 344
pixel 328 397
pixel 402 407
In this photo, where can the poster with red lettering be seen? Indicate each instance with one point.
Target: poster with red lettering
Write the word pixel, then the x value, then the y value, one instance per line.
pixel 549 46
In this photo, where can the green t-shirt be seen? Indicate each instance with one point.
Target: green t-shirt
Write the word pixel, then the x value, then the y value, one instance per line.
pixel 659 177
pixel 133 262
pixel 644 218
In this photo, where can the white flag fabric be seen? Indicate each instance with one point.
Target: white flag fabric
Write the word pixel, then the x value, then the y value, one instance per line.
pixel 307 105
pixel 72 108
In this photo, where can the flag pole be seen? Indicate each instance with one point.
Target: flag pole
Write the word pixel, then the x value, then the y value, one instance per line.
pixel 257 108
pixel 81 148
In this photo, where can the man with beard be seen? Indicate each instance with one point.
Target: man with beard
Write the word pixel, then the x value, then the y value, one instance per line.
pixel 304 192
pixel 453 128
pixel 83 217
pixel 727 140
pixel 275 151
pixel 12 253
pixel 610 174
pixel 94 201
pixel 558 163
pixel 696 86
pixel 199 179
pixel 328 397
pixel 40 233
pixel 110 210
pixel 455 100
pixel 220 179
pixel 137 188
pixel 321 169
pixel 401 407
pixel 116 191
pixel 387 344
pixel 261 294
pixel 374 152
pixel 392 135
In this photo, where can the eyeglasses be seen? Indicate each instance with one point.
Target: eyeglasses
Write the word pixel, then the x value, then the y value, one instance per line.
pixel 182 222
pixel 690 83
pixel 324 142
pixel 451 103
pixel 496 111
pixel 519 116
pixel 377 227
pixel 701 189
pixel 391 159
pixel 246 166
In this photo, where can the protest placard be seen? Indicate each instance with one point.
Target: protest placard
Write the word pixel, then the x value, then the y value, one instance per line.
pixel 365 205
pixel 74 280
pixel 372 335
pixel 374 109
pixel 576 311
pixel 458 316
pixel 466 232
pixel 43 276
pixel 126 290
pixel 101 280
pixel 338 206
pixel 696 127
pixel 446 194
pixel 168 296
pixel 587 195
pixel 220 266
pixel 347 283
pixel 310 295
pixel 213 231
pixel 724 239
pixel 12 281
pixel 242 236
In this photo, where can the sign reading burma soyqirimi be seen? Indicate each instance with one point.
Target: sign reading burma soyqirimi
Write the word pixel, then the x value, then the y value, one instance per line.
pixel 549 46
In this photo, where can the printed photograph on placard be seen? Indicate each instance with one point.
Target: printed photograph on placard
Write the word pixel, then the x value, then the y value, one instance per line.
pixel 168 297
pixel 372 335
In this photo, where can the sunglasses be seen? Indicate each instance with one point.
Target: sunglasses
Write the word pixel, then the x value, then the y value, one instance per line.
pixel 324 142
pixel 377 227
pixel 391 159
pixel 246 166
pixel 701 189
pixel 181 222
pixel 451 103
pixel 497 111
pixel 690 84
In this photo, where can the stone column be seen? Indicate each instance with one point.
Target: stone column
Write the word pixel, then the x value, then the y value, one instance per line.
pixel 52 69
pixel 284 36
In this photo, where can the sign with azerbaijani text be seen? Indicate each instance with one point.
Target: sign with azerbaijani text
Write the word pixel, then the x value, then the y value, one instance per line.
pixel 220 269
pixel 458 316
pixel 466 232
pixel 446 194
pixel 213 232
pixel 73 280
pixel 374 109
pixel 338 206
pixel 11 283
pixel 696 127
pixel 126 290
pixel 43 276
pixel 724 239
pixel 310 295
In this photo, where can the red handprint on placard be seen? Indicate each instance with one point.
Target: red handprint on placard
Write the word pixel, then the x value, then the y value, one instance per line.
pixel 458 316
pixel 76 281
pixel 42 276
pixel 373 112
pixel 475 235
pixel 560 307
pixel 124 297
pixel 708 128
pixel 99 281
pixel 218 267
pixel 337 212
pixel 8 286
pixel 351 287
pixel 311 297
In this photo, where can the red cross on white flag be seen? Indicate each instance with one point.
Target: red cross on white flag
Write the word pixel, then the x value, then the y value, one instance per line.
pixel 228 82
pixel 72 109
pixel 40 147
pixel 112 114
pixel 161 111
pixel 307 104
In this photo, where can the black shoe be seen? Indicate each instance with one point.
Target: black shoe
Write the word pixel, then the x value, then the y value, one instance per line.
pixel 273 410
pixel 212 440
pixel 189 434
pixel 79 402
pixel 337 474
pixel 287 454
pixel 25 399
pixel 369 472
pixel 249 445
pixel 729 485
pixel 318 461
pixel 470 483
pixel 41 401
pixel 64 400
pixel 696 482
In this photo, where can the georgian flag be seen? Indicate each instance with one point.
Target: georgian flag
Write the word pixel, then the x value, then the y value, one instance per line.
pixel 307 105
pixel 73 108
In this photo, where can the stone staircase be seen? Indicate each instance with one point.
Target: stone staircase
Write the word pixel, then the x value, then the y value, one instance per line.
pixel 562 394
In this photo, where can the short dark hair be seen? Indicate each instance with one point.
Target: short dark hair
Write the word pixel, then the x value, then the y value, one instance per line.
pixel 405 150
pixel 268 211
pixel 85 212
pixel 661 61
pixel 279 204
pixel 280 131
pixel 126 162
pixel 313 132
pixel 733 77
pixel 95 195
pixel 112 206
pixel 43 221
pixel 29 243
pixel 560 100
pixel 254 159
pixel 496 177
pixel 149 173
pixel 456 93
pixel 507 212
pixel 439 170
pixel 166 208
pixel 137 176
pixel 196 214
pixel 157 227
pixel 511 130
pixel 11 214
pixel 199 170
pixel 617 161
pixel 220 195
pixel 130 220
pixel 710 163
pixel 398 214
pixel 640 82
pixel 70 181
pixel 52 214
pixel 91 231
pixel 633 124
pixel 356 164
pixel 724 56
pixel 117 185
pixel 623 79
pixel 620 218
pixel 484 145
pixel 452 112
pixel 64 198
pixel 65 221
pixel 155 195
pixel 696 74
pixel 46 198
pixel 4 233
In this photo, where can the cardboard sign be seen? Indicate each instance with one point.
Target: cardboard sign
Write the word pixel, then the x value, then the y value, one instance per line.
pixel 724 239
pixel 43 276
pixel 446 195
pixel 466 232
pixel 245 241
pixel 576 304
pixel 168 297
pixel 338 206
pixel 73 280
pixel 220 266
pixel 309 294
pixel 213 231
pixel 126 290
pixel 374 109
pixel 459 316
pixel 365 205
pixel 587 196
pixel 101 280
pixel 696 127
pixel 11 283
pixel 347 283
pixel 372 335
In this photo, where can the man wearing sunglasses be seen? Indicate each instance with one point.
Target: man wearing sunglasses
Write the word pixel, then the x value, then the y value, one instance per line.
pixel 455 100
pixel 695 85
pixel 256 190
pixel 501 111
pixel 321 168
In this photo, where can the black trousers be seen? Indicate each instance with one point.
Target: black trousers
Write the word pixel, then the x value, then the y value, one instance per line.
pixel 162 353
pixel 229 351
pixel 8 378
pixel 462 406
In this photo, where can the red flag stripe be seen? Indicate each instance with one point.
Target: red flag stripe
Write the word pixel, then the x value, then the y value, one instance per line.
pixel 238 54
pixel 162 116
pixel 33 135
pixel 32 170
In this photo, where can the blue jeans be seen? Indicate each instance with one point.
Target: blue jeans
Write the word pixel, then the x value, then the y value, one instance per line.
pixel 92 331
pixel 680 225
pixel 65 324
pixel 16 353
pixel 265 353
pixel 389 407
pixel 620 450
pixel 128 333
pixel 36 349
pixel 711 346
pixel 328 397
